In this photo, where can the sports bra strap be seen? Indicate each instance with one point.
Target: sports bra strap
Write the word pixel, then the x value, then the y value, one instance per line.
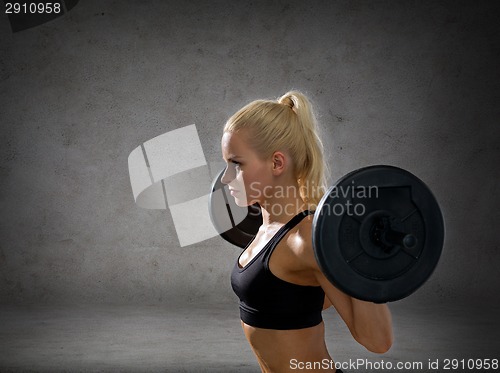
pixel 282 232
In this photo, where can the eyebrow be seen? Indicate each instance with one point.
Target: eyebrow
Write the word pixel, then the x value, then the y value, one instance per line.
pixel 232 157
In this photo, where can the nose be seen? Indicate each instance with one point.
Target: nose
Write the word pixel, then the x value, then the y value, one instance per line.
pixel 227 176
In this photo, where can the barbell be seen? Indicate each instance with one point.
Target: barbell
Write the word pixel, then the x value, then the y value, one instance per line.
pixel 378 232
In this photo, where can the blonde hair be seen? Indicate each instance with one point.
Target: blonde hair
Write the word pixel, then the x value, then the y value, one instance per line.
pixel 287 123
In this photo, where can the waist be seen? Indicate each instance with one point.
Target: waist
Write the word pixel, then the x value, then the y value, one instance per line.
pixel 277 348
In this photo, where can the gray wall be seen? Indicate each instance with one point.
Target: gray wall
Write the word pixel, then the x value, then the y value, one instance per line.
pixel 412 84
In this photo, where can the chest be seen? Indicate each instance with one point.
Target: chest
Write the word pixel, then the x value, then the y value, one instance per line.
pixel 280 260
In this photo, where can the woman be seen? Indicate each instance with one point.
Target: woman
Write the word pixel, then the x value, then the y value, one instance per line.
pixel 274 158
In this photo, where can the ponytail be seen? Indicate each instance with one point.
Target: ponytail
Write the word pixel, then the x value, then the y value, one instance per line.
pixel 309 162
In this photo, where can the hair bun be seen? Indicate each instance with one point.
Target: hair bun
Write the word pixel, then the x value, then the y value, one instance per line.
pixel 288 101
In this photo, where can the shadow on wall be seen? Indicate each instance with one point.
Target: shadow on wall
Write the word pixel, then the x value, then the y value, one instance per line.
pixel 24 15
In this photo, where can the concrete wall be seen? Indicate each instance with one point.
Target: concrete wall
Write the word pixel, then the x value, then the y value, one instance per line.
pixel 412 84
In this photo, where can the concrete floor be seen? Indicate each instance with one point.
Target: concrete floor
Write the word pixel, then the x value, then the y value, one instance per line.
pixel 208 338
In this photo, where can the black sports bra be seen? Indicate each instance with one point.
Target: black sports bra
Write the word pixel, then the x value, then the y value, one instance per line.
pixel 269 302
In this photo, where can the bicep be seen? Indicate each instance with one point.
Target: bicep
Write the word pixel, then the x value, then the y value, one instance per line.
pixel 333 296
pixel 338 299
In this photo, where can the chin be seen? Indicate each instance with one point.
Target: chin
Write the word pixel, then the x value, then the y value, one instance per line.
pixel 241 203
pixel 244 202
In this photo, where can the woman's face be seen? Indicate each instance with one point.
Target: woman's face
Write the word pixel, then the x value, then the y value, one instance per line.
pixel 246 174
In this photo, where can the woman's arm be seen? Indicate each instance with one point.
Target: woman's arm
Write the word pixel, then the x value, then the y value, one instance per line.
pixel 370 324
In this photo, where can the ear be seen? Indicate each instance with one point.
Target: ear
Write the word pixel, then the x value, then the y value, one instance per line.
pixel 280 162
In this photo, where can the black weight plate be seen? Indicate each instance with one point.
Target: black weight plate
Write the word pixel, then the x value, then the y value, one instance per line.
pixel 237 225
pixel 343 241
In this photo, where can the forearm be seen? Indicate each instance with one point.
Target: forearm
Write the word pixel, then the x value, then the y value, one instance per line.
pixel 372 324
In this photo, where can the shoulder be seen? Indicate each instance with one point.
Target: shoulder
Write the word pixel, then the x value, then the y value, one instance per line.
pixel 300 244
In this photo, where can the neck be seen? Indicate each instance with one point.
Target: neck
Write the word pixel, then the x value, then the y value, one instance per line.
pixel 280 209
